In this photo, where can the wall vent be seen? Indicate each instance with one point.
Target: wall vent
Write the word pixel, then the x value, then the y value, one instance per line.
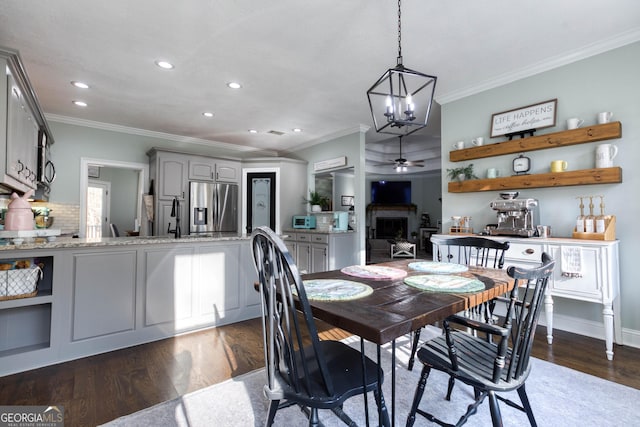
pixel 276 132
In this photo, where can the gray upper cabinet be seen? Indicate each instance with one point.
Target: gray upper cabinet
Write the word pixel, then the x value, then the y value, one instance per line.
pixel 227 171
pixel 172 176
pixel 21 119
pixel 210 169
pixel 202 169
pixel 22 137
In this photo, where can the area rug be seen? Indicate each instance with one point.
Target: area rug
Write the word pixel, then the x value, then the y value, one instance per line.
pixel 559 396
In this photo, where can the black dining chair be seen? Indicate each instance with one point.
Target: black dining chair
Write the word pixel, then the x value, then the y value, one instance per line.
pixel 472 251
pixel 490 367
pixel 302 370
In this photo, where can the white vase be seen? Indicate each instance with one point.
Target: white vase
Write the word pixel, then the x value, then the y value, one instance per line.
pixel 460 177
pixel 316 208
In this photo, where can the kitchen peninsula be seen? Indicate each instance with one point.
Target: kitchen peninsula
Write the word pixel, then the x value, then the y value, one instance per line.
pixel 97 295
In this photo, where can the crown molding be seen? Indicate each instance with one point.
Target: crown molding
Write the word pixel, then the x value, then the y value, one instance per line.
pixel 566 58
pixel 350 131
pixel 148 133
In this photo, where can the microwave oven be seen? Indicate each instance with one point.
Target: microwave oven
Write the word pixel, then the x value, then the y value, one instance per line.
pixel 304 221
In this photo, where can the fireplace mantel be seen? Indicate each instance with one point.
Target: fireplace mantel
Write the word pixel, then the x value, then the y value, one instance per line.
pixel 410 207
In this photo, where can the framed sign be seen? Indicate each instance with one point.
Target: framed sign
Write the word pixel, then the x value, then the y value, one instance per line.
pixel 536 116
pixel 346 200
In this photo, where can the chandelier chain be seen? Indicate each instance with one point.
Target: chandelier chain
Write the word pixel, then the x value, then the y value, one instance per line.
pixel 399 35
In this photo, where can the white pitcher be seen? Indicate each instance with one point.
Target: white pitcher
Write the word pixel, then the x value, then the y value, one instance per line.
pixel 605 153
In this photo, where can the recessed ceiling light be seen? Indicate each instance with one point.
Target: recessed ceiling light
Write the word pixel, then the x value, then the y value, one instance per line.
pixel 253 131
pixel 207 114
pixel 296 130
pixel 81 85
pixel 234 85
pixel 164 64
pixel 80 103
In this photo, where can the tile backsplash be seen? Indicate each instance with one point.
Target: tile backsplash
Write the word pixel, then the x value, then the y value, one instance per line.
pixel 67 216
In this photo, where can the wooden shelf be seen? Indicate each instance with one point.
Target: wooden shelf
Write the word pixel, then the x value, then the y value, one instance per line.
pixel 551 140
pixel 559 179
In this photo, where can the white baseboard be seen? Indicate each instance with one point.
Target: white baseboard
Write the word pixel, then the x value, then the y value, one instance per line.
pixel 589 328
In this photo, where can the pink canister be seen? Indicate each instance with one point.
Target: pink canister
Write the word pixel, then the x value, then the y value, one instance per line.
pixel 19 215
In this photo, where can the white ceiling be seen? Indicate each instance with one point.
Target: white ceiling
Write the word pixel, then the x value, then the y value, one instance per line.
pixel 305 64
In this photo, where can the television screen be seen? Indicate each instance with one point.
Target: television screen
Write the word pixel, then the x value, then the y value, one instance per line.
pixel 391 192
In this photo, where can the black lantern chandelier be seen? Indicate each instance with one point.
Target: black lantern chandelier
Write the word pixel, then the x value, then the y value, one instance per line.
pixel 400 101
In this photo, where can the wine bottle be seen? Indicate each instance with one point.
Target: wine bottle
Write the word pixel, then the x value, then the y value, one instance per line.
pixel 580 219
pixel 589 221
pixel 601 220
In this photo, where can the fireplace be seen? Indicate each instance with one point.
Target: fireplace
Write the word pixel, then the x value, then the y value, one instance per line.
pixel 391 227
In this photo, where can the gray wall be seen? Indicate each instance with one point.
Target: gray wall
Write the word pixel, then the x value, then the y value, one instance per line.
pixel 74 142
pixel 351 146
pixel 606 82
pixel 124 189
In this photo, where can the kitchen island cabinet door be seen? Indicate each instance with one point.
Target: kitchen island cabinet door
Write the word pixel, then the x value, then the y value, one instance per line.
pixel 103 293
pixel 168 287
pixel 219 271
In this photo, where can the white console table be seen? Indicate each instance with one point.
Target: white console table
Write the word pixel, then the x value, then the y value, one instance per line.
pixel 599 282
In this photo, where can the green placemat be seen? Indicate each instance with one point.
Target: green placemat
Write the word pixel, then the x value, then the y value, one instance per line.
pixel 376 272
pixel 442 283
pixel 335 289
pixel 438 267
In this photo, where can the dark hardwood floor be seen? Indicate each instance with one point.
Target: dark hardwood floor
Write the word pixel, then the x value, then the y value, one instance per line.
pixel 100 388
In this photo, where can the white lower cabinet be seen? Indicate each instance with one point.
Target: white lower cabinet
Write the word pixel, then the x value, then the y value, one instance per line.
pixel 598 280
pixel 315 252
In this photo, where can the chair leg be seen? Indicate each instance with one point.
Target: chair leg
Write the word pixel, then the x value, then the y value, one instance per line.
pixel 273 408
pixel 418 396
pixel 452 382
pixel 526 405
pixel 414 349
pixel 383 409
pixel 345 418
pixel 496 417
pixel 314 421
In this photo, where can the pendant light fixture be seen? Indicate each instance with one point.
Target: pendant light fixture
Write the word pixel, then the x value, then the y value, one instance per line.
pixel 400 101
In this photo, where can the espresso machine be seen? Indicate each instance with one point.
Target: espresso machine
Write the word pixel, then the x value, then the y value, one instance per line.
pixel 516 217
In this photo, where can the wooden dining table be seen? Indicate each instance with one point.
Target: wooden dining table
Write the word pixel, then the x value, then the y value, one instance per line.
pixel 395 309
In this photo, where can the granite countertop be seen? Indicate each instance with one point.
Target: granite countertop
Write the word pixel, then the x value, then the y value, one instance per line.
pixel 315 231
pixel 70 242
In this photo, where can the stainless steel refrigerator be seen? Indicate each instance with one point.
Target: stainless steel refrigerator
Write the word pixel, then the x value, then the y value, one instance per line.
pixel 212 207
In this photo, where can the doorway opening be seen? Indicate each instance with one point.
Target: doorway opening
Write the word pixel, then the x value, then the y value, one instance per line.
pixel 98 209
pixel 140 183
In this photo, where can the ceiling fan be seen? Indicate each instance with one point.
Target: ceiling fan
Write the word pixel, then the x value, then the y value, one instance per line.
pixel 400 164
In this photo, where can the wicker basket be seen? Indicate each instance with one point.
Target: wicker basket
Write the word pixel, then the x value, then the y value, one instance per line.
pixel 19 283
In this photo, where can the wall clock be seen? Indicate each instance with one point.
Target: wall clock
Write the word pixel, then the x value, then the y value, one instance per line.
pixel 521 165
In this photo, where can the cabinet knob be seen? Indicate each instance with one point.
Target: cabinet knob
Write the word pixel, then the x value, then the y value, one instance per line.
pixel 529 251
